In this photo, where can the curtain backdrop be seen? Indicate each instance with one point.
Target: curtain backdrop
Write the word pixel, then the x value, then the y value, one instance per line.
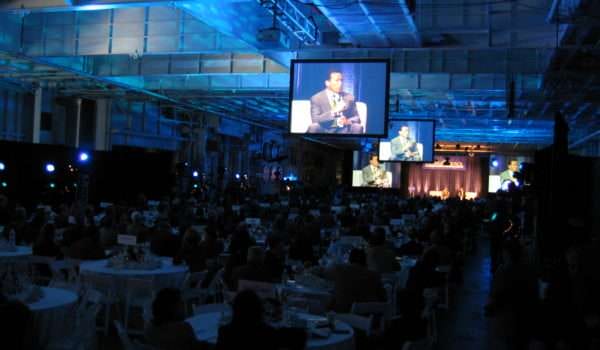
pixel 422 180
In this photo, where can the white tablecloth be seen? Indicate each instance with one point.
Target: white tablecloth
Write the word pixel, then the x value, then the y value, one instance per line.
pixel 206 327
pixel 168 275
pixel 53 314
pixel 21 252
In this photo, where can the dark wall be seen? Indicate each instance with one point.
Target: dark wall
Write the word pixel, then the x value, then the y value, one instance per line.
pixel 116 175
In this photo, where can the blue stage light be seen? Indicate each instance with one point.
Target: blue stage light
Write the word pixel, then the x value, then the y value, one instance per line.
pixel 195 173
pixel 495 163
pixel 195 186
pixel 52 185
pixel 4 184
pixel 50 168
pixel 237 176
pixel 2 166
pixel 83 157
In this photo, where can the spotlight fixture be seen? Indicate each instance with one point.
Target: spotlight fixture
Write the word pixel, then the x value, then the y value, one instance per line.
pixel 195 173
pixel 83 157
pixel 495 163
pixel 2 166
pixel 50 168
pixel 52 185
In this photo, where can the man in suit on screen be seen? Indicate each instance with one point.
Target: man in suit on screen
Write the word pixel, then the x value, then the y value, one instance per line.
pixel 405 148
pixel 333 111
pixel 373 175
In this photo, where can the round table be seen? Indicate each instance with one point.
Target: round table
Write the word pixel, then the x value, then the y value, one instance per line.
pixel 19 253
pixel 206 328
pixel 53 315
pixel 168 275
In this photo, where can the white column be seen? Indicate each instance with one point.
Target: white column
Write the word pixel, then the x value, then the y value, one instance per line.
pixel 37 115
pixel 101 125
pixel 77 121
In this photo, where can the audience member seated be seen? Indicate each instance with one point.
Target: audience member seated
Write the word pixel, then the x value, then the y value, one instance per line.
pixel 411 248
pixel 88 247
pixel 353 282
pixel 210 246
pixel 190 252
pixel 274 259
pixel 163 242
pixel 44 244
pixel 253 270
pixel 248 330
pixel 380 258
pixel 513 298
pixel 168 329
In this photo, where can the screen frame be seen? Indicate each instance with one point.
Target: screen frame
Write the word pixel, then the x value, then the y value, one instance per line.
pixel 387 63
pixel 409 161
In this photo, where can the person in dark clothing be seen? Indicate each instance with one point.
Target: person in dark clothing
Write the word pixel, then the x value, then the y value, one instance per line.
pixel 190 252
pixel 168 329
pixel 16 325
pixel 253 270
pixel 411 248
pixel 513 298
pixel 44 244
pixel 274 259
pixel 248 330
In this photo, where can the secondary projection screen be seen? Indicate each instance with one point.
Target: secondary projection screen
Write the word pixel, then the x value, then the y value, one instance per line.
pixel 408 141
pixel 339 97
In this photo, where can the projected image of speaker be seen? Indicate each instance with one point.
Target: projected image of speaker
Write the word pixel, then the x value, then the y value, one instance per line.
pixel 339 97
pixel 367 171
pixel 408 141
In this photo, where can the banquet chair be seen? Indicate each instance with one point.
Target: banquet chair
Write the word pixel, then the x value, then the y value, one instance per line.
pixel 192 291
pixel 84 335
pixel 380 313
pixel 106 286
pixel 263 289
pixel 37 264
pixel 64 274
pixel 362 323
pixel 140 294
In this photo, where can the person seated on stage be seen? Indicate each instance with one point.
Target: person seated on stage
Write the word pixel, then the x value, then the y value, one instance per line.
pixel 445 194
pixel 373 175
pixel 248 329
pixel 353 282
pixel 254 270
pixel 403 147
pixel 380 258
pixel 168 329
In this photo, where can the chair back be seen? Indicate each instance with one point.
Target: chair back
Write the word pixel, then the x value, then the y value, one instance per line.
pixel 362 323
pixel 263 289
pixel 124 337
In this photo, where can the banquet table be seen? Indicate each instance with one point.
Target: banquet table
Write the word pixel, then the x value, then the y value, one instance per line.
pixel 206 328
pixel 167 275
pixel 53 315
pixel 19 253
